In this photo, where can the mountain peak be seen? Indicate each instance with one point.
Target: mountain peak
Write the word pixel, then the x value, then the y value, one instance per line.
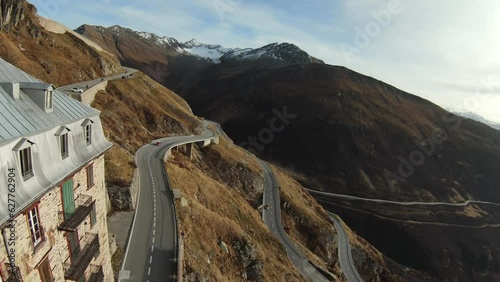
pixel 281 52
pixel 192 43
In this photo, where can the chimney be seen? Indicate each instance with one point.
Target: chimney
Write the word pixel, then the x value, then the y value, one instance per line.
pixel 11 88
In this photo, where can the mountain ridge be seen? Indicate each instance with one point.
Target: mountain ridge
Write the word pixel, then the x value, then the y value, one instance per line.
pixel 352 134
pixel 346 122
pixel 214 52
pixel 135 110
pixel 479 118
pixel 176 64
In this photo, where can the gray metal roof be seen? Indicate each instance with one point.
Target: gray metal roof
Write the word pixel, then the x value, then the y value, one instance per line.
pixel 22 120
pixel 23 117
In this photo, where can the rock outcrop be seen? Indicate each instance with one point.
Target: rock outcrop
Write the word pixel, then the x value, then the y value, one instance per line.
pixel 247 256
pixel 18 14
pixel 12 13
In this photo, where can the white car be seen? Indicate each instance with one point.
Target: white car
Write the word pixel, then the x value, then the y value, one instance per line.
pixel 77 90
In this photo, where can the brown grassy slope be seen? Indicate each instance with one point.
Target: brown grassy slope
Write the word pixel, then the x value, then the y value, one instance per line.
pixel 223 187
pixel 359 126
pixel 56 58
pixel 127 45
pixel 134 112
pixel 308 223
pixel 350 130
pixel 159 60
pixel 219 210
pixel 366 255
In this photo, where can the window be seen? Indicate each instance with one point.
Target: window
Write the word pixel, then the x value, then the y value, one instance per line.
pixel 35 228
pixel 45 271
pixel 48 99
pixel 93 217
pixel 64 145
pixel 90 176
pixel 26 163
pixel 88 134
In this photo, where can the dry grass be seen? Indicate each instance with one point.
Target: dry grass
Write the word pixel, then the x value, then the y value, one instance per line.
pixel 120 166
pixel 218 212
pixel 134 112
pixel 303 204
pixel 363 245
pixel 56 58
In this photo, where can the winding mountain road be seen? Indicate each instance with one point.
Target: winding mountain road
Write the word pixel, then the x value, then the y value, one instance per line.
pixel 345 253
pixel 84 86
pixel 151 252
pixel 272 218
pixel 347 197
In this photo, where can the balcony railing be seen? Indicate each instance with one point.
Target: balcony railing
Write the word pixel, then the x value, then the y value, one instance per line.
pixel 97 274
pixel 83 207
pixel 74 269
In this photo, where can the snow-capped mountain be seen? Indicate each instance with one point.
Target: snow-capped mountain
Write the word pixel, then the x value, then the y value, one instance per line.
pixel 479 118
pixel 284 52
pixel 176 64
pixel 207 51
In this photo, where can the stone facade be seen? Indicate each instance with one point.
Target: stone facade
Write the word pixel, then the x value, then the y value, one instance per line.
pixel 54 246
pixel 52 191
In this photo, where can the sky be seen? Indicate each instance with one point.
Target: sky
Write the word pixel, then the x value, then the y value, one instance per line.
pixel 446 51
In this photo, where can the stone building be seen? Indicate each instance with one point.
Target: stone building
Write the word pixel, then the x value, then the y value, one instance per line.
pixel 52 190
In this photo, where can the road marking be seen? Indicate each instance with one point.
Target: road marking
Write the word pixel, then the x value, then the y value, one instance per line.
pixel 150 259
pixel 154 232
pixel 127 272
pixel 154 224
pixel 124 274
pixel 133 222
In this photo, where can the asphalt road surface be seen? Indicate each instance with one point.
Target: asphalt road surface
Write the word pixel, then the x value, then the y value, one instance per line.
pixel 347 197
pixel 92 83
pixel 151 253
pixel 345 254
pixel 272 218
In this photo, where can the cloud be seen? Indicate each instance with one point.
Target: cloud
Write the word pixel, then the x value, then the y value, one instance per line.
pixel 439 50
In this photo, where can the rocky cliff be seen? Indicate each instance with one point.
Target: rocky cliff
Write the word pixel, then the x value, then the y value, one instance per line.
pixel 12 13
pixel 59 58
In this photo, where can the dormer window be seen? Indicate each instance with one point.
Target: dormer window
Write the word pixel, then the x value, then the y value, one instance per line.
pixel 23 149
pixel 63 136
pixel 40 93
pixel 26 163
pixel 64 145
pixel 88 134
pixel 87 131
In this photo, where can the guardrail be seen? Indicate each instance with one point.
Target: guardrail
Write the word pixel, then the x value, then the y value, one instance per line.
pixel 179 243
